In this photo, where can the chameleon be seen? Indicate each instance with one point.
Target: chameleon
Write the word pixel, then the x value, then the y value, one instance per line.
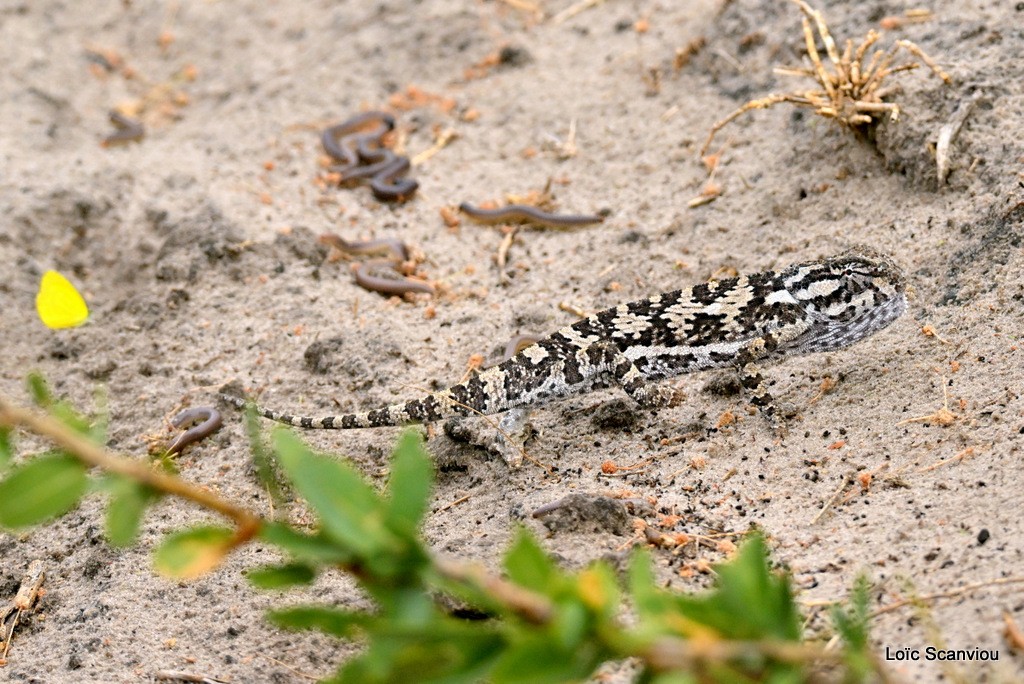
pixel 741 322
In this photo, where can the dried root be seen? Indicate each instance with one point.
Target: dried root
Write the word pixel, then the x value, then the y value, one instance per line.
pixel 851 91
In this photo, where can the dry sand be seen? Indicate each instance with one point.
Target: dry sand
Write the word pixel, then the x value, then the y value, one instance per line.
pixel 197 251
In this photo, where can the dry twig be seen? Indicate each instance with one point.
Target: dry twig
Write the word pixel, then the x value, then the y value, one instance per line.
pixel 24 601
pixel 847 481
pixel 969 451
pixel 947 133
pixel 441 140
pixel 247 523
pixel 943 416
pixel 851 92
pixel 178 676
pixel 1014 635
pixel 574 9
pixel 949 593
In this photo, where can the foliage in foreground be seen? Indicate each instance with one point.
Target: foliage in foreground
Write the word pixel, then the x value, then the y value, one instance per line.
pixel 538 623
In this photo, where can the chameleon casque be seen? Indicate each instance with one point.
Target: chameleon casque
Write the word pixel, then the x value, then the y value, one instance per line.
pixel 742 322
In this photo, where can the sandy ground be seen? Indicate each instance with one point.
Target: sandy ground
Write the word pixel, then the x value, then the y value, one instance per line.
pixel 196 249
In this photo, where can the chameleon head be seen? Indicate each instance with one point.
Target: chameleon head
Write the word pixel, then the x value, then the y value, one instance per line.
pixel 847 297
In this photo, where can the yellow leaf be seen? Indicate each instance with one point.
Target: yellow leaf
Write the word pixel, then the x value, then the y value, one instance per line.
pixel 191 553
pixel 592 589
pixel 59 304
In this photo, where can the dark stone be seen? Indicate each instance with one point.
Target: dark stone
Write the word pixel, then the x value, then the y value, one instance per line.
pixel 514 56
pixel 615 415
pixel 585 513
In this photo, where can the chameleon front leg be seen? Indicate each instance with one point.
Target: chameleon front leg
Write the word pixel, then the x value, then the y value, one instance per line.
pixel 750 373
pixel 628 376
pixel 758 392
pixel 513 431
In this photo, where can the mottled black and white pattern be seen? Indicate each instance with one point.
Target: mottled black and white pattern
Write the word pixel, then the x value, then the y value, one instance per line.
pixel 741 322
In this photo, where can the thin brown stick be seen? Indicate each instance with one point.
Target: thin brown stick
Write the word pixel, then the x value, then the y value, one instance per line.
pixel 847 481
pixel 1013 633
pixel 574 9
pixel 501 257
pixel 911 47
pixel 289 667
pixel 90 454
pixel 24 601
pixel 969 451
pixel 812 52
pixel 949 593
pixel 682 654
pixel 527 604
pixel 452 504
pixel 179 676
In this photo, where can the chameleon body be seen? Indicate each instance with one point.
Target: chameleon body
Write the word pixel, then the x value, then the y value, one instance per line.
pixel 742 322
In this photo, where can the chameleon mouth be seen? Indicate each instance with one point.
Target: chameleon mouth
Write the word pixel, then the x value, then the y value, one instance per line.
pixel 831 338
pixel 889 312
pixel 876 319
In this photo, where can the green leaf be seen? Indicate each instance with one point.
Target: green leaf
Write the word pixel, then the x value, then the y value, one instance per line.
pixel 6 448
pixel 40 489
pixel 527 564
pixel 654 606
pixel 313 549
pixel 749 601
pixel 570 624
pixel 646 595
pixel 853 627
pixel 852 624
pixel 39 389
pixel 261 456
pixel 193 552
pixel 465 592
pixel 443 651
pixel 673 678
pixel 101 418
pixel 351 511
pixel 84 425
pixel 128 501
pixel 538 661
pixel 412 477
pixel 406 607
pixel 598 589
pixel 281 576
pixel 43 397
pixel 339 623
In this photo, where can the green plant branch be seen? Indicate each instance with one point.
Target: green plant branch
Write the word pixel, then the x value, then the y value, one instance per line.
pixel 670 653
pixel 528 605
pixel 664 654
pixel 247 523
